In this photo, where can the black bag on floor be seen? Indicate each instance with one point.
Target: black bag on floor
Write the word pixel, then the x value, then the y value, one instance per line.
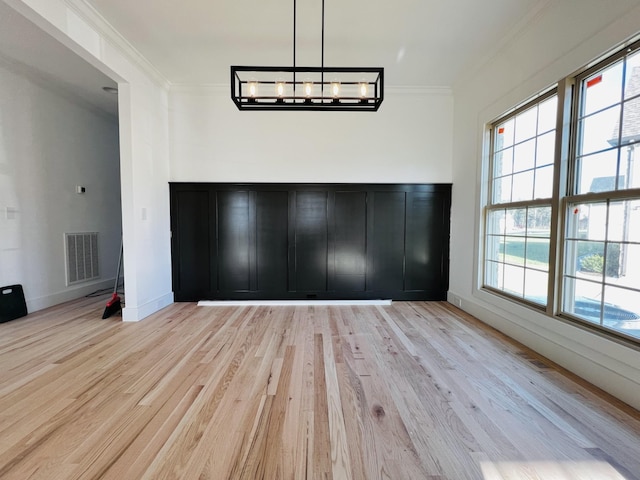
pixel 12 304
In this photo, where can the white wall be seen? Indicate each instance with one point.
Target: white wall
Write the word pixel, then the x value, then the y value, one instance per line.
pixel 409 140
pixel 144 152
pixel 564 36
pixel 50 143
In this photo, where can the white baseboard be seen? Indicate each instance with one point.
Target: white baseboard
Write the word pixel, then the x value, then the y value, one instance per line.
pixel 132 313
pixel 72 293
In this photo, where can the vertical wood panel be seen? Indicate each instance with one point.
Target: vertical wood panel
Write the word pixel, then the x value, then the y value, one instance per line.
pixel 192 243
pixel 387 243
pixel 311 241
pixel 424 247
pixel 233 241
pixel 350 230
pixel 272 241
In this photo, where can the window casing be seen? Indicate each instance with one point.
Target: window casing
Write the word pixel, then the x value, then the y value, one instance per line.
pixel 580 225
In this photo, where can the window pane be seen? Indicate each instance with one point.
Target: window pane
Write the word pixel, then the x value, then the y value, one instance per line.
pixel 495 248
pixel 502 190
pixel 514 280
pixel 535 286
pixel 514 250
pixel 629 169
pixel 603 89
pixel 591 264
pixel 630 122
pixel 600 131
pixel 618 228
pixel 538 253
pixel 574 220
pixel 538 234
pixel 496 222
pixel 526 125
pixel 584 259
pixel 494 275
pixel 516 221
pixel 623 250
pixel 539 222
pixel 504 134
pixel 588 221
pixel 544 182
pixel 503 162
pixel 621 230
pixel 622 310
pixel 613 266
pixel 525 156
pixel 545 149
pixel 522 186
pixel 597 173
pixel 582 299
pixel 547 112
pixel 632 80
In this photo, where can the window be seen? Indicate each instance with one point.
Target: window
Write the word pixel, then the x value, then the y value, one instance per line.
pixel 598 196
pixel 518 217
pixel 601 278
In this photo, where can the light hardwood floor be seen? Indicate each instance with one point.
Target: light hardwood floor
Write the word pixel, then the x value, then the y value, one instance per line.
pixel 411 391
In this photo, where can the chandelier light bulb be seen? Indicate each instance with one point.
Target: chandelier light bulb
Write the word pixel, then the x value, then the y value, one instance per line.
pixel 363 90
pixel 253 88
pixel 335 89
pixel 280 89
pixel 308 89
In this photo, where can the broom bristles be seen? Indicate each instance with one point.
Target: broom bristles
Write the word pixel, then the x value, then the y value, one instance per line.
pixel 112 307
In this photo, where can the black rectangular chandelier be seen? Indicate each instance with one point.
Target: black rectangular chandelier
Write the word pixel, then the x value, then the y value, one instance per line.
pixel 307 88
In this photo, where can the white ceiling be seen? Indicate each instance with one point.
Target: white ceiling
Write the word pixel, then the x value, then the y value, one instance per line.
pixel 418 42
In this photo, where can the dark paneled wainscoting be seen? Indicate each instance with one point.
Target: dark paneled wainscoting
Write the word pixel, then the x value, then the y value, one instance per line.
pixel 301 241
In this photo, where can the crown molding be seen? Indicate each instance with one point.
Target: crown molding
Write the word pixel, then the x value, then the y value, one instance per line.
pixel 96 21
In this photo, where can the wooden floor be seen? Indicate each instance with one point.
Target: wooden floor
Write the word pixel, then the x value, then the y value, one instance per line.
pixel 410 391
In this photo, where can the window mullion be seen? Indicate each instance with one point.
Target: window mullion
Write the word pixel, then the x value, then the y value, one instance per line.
pixel 566 89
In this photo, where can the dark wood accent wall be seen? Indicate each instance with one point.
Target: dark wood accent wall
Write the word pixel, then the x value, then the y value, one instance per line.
pixel 324 241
